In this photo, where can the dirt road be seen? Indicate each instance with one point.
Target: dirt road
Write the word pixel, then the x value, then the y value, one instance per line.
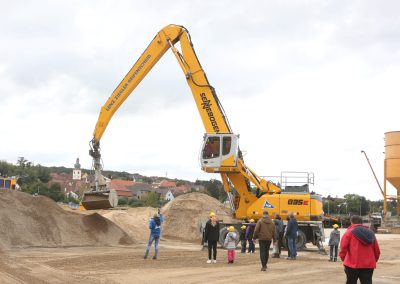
pixel 179 263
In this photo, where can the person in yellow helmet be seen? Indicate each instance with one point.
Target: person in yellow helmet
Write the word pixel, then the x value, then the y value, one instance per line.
pixel 242 238
pixel 211 237
pixel 249 236
pixel 334 240
pixel 230 243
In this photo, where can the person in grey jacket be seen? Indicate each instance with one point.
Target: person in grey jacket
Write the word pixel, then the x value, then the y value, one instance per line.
pixel 230 243
pixel 334 240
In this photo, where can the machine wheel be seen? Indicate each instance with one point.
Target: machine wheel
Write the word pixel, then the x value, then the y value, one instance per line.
pixel 222 235
pixel 301 240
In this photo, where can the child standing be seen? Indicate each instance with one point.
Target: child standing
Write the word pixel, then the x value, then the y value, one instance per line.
pixel 242 238
pixel 334 240
pixel 230 243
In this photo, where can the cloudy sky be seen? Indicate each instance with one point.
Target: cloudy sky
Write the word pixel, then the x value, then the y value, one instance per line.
pixel 307 85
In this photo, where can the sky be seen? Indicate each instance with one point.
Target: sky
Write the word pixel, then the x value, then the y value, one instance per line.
pixel 306 84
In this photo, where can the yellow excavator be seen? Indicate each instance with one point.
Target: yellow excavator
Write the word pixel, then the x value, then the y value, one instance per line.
pixel 249 194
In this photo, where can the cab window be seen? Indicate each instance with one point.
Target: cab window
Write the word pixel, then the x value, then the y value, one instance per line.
pixel 211 148
pixel 226 145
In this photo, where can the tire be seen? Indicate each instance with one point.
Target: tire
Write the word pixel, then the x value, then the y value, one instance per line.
pixel 222 235
pixel 301 240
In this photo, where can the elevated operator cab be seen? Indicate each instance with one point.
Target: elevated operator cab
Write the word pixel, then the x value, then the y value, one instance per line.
pixel 219 151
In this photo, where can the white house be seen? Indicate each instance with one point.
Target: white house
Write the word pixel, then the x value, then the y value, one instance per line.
pixel 169 196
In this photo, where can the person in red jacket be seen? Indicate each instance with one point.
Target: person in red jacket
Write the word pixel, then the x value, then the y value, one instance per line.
pixel 359 251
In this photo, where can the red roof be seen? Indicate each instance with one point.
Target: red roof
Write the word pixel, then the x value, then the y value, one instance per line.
pixel 124 193
pixel 119 184
pixel 167 184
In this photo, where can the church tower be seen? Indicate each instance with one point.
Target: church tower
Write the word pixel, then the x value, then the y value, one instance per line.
pixel 77 173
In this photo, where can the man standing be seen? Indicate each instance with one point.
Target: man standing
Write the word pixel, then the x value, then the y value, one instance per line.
pixel 265 233
pixel 155 231
pixel 279 234
pixel 359 251
pixel 291 235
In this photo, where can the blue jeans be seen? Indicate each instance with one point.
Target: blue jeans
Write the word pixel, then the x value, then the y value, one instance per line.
pixel 292 247
pixel 151 239
pixel 252 246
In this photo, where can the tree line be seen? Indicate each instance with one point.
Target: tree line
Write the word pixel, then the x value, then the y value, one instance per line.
pixel 36 179
pixel 354 204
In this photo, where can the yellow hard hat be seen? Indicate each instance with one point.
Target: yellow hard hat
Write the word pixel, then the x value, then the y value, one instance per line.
pixel 335 226
pixel 252 220
pixel 243 227
pixel 212 214
pixel 231 229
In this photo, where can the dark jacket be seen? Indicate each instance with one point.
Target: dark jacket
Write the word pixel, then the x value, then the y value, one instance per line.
pixel 265 230
pixel 250 231
pixel 211 233
pixel 291 229
pixel 242 235
pixel 278 226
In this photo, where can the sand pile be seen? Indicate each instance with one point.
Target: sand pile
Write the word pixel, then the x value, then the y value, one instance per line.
pixel 27 221
pixel 184 214
pixel 133 221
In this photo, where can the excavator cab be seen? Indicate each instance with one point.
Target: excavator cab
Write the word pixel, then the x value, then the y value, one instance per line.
pixel 218 151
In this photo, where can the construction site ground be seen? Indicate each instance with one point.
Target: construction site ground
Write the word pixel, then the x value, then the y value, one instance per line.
pixel 180 262
pixel 42 242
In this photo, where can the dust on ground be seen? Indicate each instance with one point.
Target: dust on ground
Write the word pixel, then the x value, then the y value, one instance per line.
pixel 180 262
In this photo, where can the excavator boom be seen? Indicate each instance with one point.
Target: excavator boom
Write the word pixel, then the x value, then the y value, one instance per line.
pixel 221 153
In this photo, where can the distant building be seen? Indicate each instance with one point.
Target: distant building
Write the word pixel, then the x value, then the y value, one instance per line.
pixel 8 183
pixel 122 187
pixel 72 194
pixel 167 184
pixel 169 196
pixel 77 173
pixel 140 189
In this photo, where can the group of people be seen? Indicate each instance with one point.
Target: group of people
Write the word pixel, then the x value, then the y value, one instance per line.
pixel 359 249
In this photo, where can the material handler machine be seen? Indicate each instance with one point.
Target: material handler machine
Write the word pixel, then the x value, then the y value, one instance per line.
pixel 250 194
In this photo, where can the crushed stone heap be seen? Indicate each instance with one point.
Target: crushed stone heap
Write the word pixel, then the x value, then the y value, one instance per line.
pixel 37 221
pixel 184 215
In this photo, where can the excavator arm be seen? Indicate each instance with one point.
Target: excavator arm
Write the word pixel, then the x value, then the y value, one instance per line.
pixel 234 173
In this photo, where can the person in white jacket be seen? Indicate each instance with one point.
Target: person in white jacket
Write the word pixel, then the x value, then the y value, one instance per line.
pixel 230 243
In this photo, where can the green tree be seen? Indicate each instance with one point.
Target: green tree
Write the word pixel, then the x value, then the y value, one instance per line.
pixel 6 169
pixel 42 173
pixel 135 202
pixel 21 162
pixel 357 204
pixel 152 199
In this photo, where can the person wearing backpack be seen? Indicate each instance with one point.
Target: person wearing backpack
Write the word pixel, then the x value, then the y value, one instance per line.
pixel 155 232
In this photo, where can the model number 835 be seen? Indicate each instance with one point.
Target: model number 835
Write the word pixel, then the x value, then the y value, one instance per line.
pixel 297 202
